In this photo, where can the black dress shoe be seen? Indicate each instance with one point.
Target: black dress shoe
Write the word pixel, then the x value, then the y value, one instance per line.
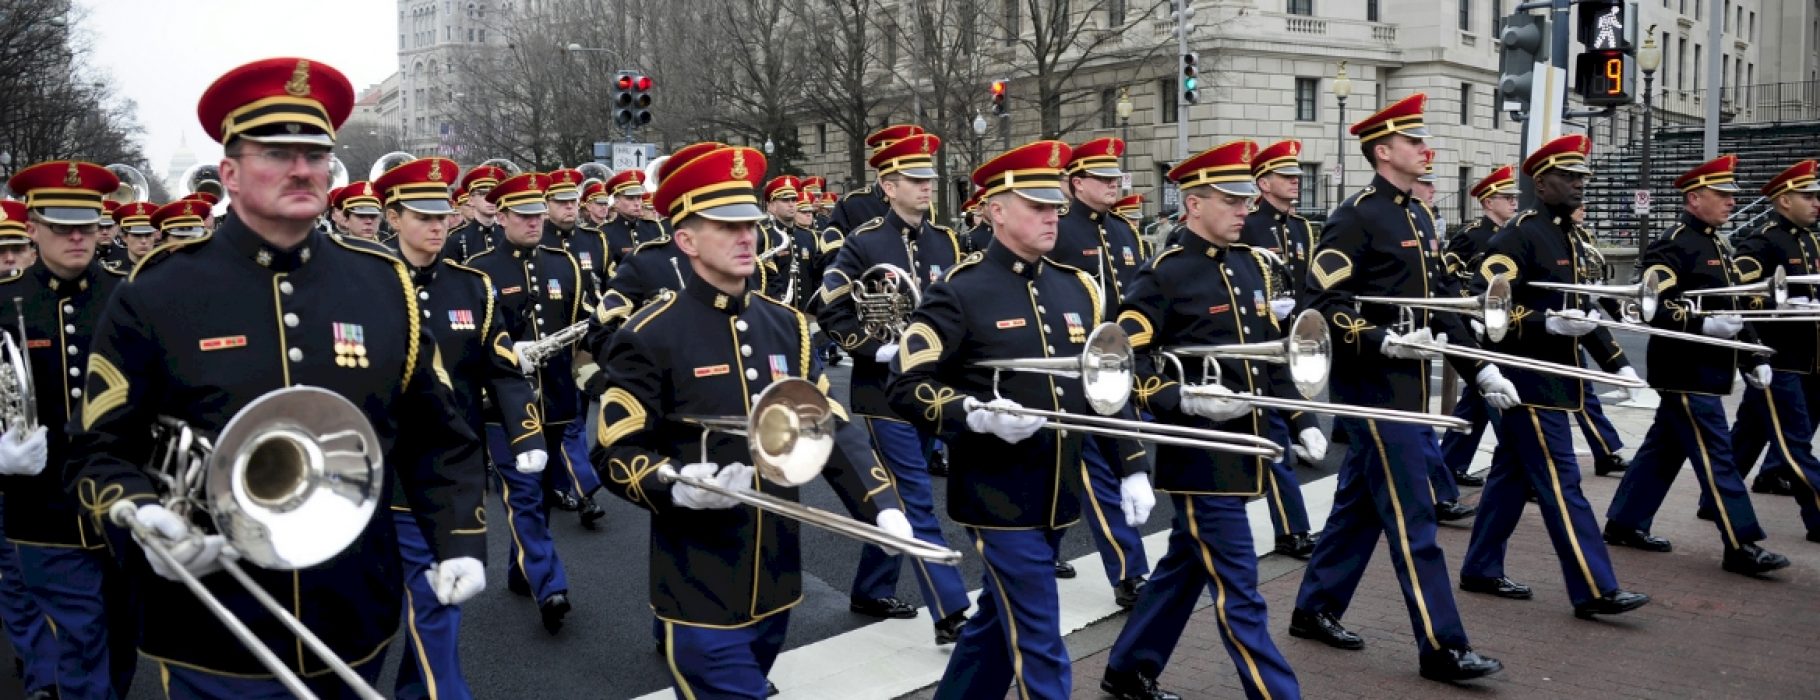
pixel 1126 594
pixel 1613 603
pixel 1774 483
pixel 1465 479
pixel 1813 535
pixel 42 693
pixel 1636 539
pixel 1064 570
pixel 948 629
pixel 938 463
pixel 882 608
pixel 562 500
pixel 1323 628
pixel 1131 685
pixel 518 586
pixel 1449 511
pixel 1296 546
pixel 1501 587
pixel 1707 514
pixel 1610 464
pixel 1751 560
pixel 553 609
pixel 1453 665
pixel 771 690
pixel 591 512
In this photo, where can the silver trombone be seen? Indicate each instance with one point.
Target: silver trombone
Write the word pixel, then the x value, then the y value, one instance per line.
pixel 1775 287
pixel 1105 370
pixel 1492 309
pixel 1639 304
pixel 1308 351
pixel 791 435
pixel 293 480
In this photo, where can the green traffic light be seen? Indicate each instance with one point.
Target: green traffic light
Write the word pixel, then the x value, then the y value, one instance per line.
pixel 1189 83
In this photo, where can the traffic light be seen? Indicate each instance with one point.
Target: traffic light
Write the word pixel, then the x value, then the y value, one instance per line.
pixel 1604 73
pixel 631 99
pixel 1191 80
pixel 1525 41
pixel 999 90
pixel 641 100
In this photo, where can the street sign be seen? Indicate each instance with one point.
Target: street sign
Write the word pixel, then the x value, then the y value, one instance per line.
pixel 1125 182
pixel 633 155
pixel 1639 204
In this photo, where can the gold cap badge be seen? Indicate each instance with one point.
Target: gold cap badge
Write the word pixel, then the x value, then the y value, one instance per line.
pixel 299 84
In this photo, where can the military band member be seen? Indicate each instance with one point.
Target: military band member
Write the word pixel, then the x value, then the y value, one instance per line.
pixel 1690 422
pixel 64 557
pixel 266 303
pixel 27 628
pixel 477 356
pixel 1274 226
pixel 1090 237
pixel 539 288
pixel 791 282
pixel 109 249
pixel 1534 438
pixel 819 201
pixel 15 243
pixel 137 234
pixel 723 575
pixel 596 204
pixel 180 221
pixel 1497 197
pixel 1782 416
pixel 563 229
pixel 359 209
pixel 627 229
pixel 1013 486
pixel 902 237
pixel 868 203
pixel 1601 436
pixel 1440 479
pixel 482 231
pixel 1131 207
pixel 1380 241
pixel 979 230
pixel 209 202
pixel 1202 292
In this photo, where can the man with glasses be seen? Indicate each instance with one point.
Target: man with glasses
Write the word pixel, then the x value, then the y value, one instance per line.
pixel 137 234
pixel 108 248
pixel 180 220
pixel 481 232
pixel 62 553
pixel 206 326
pixel 627 228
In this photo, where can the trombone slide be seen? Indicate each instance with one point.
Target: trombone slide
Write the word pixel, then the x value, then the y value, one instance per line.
pixel 1533 365
pixel 865 532
pixel 1677 335
pixel 1388 415
pixel 1178 436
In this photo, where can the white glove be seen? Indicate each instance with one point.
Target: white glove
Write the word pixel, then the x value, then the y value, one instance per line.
pixel 198 554
pixel 1631 374
pixel 1009 427
pixel 456 580
pixel 1759 376
pixel 893 521
pixel 524 364
pixel 1571 322
pixel 694 498
pixel 1723 326
pixel 1478 327
pixel 23 455
pixel 1498 391
pixel 1311 445
pixel 1282 307
pixel 1797 302
pixel 1136 498
pixel 1214 408
pixel 885 353
pixel 532 461
pixel 1394 350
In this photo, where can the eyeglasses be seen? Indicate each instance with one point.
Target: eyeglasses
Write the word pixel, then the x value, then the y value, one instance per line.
pixel 317 160
pixel 70 229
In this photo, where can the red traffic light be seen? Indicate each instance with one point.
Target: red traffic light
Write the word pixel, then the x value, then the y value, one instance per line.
pixel 643 82
pixel 998 88
pixel 624 82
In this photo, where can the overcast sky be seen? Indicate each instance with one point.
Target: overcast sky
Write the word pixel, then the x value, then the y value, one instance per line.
pixel 161 54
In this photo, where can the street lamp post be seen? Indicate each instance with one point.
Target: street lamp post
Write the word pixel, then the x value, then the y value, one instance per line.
pixel 979 134
pixel 1649 58
pixel 1342 89
pixel 1124 112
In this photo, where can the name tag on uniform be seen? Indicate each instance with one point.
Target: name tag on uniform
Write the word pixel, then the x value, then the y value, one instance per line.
pixel 1091 252
pixel 207 344
pixel 1220 309
pixel 1562 262
pixel 1010 323
pixel 1796 261
pixel 1411 244
pixel 713 371
pixel 46 342
pixel 1712 263
pixel 511 290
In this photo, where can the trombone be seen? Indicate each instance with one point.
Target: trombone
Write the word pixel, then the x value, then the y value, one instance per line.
pixel 1492 309
pixel 1105 370
pixel 791 435
pixel 1640 302
pixel 293 479
pixel 1775 287
pixel 1308 351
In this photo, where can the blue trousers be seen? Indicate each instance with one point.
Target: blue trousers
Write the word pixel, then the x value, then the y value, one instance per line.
pixel 1288 514
pixel 1601 435
pixel 1382 490
pixel 1688 426
pixel 533 556
pixel 1457 448
pixel 714 662
pixel 66 583
pixel 1016 634
pixel 1210 550
pixel 181 683
pixel 569 469
pixel 1121 547
pixel 942 587
pixel 25 624
pixel 1536 451
pixel 1773 462
pixel 431 667
pixel 1781 420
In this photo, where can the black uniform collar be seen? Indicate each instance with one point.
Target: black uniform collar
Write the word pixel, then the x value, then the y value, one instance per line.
pixel 901 227
pixel 244 241
pixel 998 254
pixel 1692 223
pixel 421 276
pixel 700 290
pixel 1561 215
pixel 63 288
pixel 1778 220
pixel 550 229
pixel 1078 208
pixel 1194 244
pixel 1264 206
pixel 518 252
pixel 1398 195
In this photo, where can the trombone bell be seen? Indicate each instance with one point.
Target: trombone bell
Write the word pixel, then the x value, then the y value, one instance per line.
pixel 1491 308
pixel 1104 368
pixel 1307 350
